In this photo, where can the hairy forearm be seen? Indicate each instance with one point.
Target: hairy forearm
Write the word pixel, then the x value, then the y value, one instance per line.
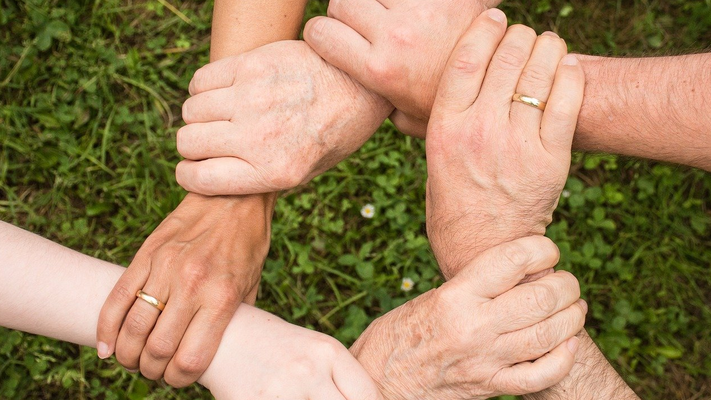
pixel 591 378
pixel 654 108
pixel 240 25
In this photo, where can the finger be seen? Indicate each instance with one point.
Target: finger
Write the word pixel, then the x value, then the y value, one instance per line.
pixel 352 380
pixel 500 268
pixel 118 303
pixel 363 16
pixel 165 338
pixel 216 75
pixel 408 125
pixel 561 114
pixel 222 176
pixel 198 346
pixel 530 303
pixel 467 66
pixel 340 46
pixel 537 79
pixel 212 105
pixel 531 377
pixel 139 323
pixel 506 67
pixel 198 141
pixel 535 341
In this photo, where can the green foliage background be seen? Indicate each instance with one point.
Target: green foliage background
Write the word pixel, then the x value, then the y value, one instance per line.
pixel 90 95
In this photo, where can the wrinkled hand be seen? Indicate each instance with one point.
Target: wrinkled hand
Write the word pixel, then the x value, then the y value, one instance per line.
pixel 262 357
pixel 396 48
pixel 479 335
pixel 496 168
pixel 202 261
pixel 271 119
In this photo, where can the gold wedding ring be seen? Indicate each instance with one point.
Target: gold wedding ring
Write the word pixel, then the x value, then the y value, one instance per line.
pixel 150 300
pixel 529 101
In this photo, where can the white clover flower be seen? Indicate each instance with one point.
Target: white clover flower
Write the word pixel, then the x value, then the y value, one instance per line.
pixel 566 193
pixel 407 284
pixel 368 211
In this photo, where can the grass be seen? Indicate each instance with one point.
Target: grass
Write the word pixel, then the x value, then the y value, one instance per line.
pixel 90 96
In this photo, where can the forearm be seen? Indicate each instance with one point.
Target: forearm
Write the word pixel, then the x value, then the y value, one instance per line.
pixel 50 290
pixel 237 27
pixel 591 378
pixel 240 25
pixel 654 108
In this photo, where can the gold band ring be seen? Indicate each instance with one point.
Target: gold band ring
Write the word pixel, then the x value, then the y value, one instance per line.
pixel 529 101
pixel 150 300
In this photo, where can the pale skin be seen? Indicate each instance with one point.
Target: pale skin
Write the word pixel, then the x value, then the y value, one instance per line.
pixel 50 290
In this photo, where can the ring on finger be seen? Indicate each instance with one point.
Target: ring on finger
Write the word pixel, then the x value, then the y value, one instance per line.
pixel 529 101
pixel 150 300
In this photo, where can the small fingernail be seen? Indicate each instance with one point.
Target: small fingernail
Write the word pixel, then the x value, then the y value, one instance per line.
pixel 131 371
pixel 570 59
pixel 497 15
pixel 102 349
pixel 573 344
pixel 584 305
pixel 550 33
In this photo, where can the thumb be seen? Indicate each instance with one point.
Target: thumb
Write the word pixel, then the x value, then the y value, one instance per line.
pixel 500 268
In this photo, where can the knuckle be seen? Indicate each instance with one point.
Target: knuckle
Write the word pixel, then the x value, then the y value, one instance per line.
pixel 571 282
pixel 560 114
pixel 402 37
pixel 544 299
pixel 467 61
pixel 194 275
pixel 123 293
pixel 203 179
pixel 288 178
pixel 160 348
pixel 510 58
pixel 545 336
pixel 190 364
pixel 379 69
pixel 517 254
pixel 137 325
pixel 538 75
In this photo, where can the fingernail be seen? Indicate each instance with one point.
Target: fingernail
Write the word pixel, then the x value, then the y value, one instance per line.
pixel 584 305
pixel 550 33
pixel 131 371
pixel 497 15
pixel 102 349
pixel 573 344
pixel 570 59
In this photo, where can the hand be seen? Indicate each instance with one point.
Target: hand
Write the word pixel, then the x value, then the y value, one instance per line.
pixel 271 119
pixel 203 260
pixel 496 168
pixel 262 357
pixel 396 48
pixel 480 335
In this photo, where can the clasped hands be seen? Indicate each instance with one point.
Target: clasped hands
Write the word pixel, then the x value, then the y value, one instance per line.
pixel 277 116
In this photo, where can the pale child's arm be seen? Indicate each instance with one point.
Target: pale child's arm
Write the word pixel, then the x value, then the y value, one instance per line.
pixel 50 290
